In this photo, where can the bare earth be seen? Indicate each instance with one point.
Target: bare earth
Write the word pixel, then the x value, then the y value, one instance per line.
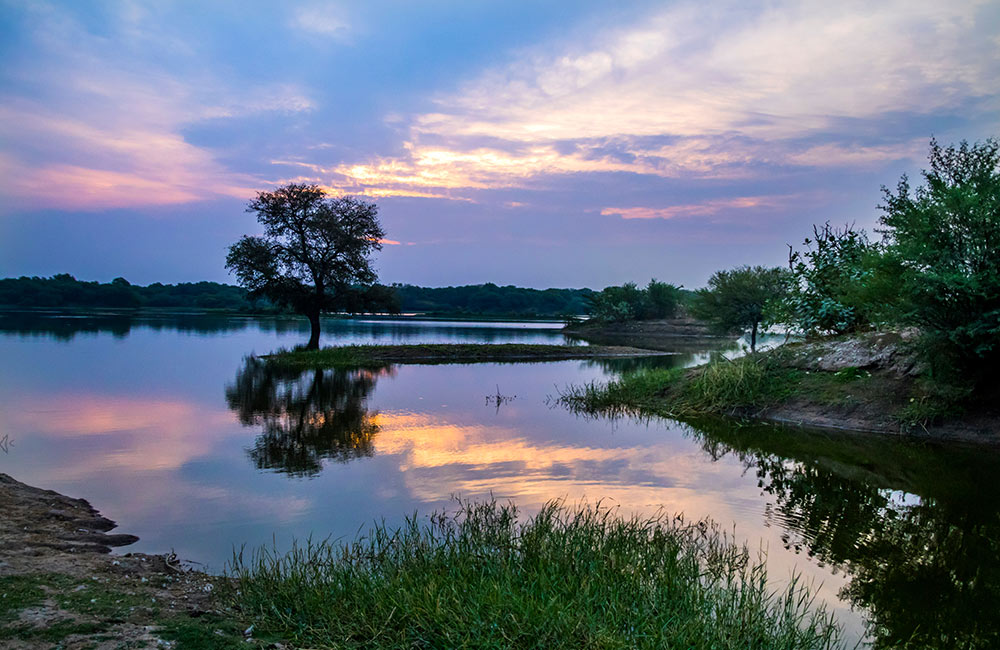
pixel 893 365
pixel 61 587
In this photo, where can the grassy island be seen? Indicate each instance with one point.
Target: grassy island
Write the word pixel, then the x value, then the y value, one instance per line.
pixel 366 356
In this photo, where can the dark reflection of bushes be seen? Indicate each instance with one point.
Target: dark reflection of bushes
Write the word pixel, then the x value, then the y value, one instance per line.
pixel 67 324
pixel 920 540
pixel 304 416
pixel 624 365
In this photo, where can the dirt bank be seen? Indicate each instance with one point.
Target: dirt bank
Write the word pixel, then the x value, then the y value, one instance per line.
pixel 675 334
pixel 61 588
pixel 877 382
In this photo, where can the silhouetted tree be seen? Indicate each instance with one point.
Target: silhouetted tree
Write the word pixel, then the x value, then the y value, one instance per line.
pixel 314 254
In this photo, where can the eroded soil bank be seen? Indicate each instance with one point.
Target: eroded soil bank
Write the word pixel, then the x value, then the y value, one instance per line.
pixel 877 382
pixel 61 588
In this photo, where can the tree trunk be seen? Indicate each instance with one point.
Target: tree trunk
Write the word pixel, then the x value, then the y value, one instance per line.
pixel 753 338
pixel 314 334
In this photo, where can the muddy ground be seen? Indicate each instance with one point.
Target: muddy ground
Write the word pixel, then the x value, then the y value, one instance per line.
pixel 61 587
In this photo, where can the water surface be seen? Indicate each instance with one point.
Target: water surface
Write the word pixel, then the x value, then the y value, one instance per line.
pixel 171 428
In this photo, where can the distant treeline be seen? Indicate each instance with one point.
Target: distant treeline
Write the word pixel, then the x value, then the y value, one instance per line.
pixel 65 291
pixel 492 300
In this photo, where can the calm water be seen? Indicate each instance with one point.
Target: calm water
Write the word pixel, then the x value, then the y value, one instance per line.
pixel 167 426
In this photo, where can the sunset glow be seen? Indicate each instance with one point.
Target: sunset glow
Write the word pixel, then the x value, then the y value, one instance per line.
pixel 677 120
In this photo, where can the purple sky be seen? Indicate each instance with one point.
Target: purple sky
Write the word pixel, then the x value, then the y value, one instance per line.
pixel 539 144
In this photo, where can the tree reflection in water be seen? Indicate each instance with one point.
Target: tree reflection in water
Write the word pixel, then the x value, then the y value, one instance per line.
pixel 916 528
pixel 305 416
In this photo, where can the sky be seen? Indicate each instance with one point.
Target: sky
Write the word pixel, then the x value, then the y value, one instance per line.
pixel 540 144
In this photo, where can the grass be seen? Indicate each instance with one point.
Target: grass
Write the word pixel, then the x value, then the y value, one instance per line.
pixel 749 386
pixel 723 386
pixel 93 608
pixel 567 578
pixel 933 402
pixel 375 356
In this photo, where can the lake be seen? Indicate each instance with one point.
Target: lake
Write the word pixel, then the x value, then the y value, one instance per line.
pixel 167 425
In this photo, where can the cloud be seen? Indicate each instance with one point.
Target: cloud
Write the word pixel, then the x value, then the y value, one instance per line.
pixel 324 20
pixel 704 208
pixel 109 133
pixel 783 71
pixel 696 91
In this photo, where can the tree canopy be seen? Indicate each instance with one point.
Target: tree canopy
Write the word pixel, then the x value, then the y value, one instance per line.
pixel 738 300
pixel 946 235
pixel 629 302
pixel 314 255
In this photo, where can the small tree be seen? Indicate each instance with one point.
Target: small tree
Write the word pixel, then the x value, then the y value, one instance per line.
pixel 946 235
pixel 616 304
pixel 662 299
pixel 315 252
pixel 738 300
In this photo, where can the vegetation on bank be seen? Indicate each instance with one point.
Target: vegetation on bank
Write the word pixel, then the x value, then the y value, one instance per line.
pixel 368 356
pixel 492 300
pixel 82 612
pixel 723 387
pixel 779 381
pixel 567 578
pixel 935 269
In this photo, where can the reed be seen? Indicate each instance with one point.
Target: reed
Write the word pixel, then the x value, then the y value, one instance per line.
pixel 569 577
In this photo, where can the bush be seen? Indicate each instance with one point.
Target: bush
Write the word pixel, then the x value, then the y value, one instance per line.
pixel 841 283
pixel 946 234
pixel 629 302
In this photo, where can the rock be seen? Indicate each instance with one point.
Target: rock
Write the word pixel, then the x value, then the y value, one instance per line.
pixel 874 351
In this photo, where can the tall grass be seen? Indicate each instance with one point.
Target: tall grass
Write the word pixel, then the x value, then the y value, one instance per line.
pixel 747 382
pixel 722 386
pixel 627 395
pixel 567 578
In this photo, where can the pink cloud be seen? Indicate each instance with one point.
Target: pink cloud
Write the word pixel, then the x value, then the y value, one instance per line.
pixel 703 208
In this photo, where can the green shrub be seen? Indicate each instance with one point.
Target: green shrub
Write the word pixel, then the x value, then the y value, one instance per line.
pixel 946 235
pixel 841 283
pixel 629 302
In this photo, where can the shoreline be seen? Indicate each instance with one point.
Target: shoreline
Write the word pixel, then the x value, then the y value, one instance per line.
pixel 872 383
pixel 62 587
pixel 73 594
